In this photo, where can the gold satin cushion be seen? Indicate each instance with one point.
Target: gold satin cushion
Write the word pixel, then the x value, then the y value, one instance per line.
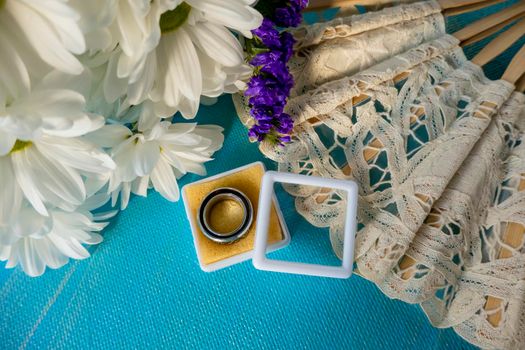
pixel 246 180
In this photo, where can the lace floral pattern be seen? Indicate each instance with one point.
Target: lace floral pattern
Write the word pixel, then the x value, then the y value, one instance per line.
pixel 460 265
pixel 352 25
pixel 345 46
pixel 481 269
pixel 437 151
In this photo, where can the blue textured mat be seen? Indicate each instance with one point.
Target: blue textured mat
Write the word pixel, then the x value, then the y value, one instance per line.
pixel 143 287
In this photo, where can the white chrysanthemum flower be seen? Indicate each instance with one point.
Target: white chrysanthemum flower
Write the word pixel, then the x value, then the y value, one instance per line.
pixel 35 36
pixel 127 28
pixel 157 157
pixel 50 171
pixel 96 17
pixel 54 112
pixel 190 51
pixel 35 241
pixel 42 155
pixel 55 105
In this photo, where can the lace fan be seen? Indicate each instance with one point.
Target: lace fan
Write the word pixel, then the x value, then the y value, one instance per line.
pixel 388 99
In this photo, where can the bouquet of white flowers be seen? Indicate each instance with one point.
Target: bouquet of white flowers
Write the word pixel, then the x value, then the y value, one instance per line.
pixel 87 94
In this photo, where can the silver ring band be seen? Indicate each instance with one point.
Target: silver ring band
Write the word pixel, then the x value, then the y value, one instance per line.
pixel 218 195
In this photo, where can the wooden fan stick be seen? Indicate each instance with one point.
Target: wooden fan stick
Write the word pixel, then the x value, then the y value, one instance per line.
pixel 491 21
pixel 315 5
pixel 500 44
pixel 516 67
pixel 493 30
pixel 520 84
pixel 469 8
pixel 450 4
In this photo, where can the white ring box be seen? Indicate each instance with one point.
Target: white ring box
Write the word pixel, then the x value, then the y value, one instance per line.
pixel 238 258
pixel 261 261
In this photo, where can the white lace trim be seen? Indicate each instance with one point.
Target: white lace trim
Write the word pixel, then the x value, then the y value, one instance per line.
pixel 340 27
pixel 349 45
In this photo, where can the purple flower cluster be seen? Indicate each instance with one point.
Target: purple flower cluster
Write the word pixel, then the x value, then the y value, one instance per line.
pixel 290 16
pixel 269 87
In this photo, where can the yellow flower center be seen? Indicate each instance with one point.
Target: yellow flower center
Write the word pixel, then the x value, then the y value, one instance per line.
pixel 20 145
pixel 173 19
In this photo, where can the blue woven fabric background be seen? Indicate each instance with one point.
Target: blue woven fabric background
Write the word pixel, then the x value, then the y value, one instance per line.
pixel 142 287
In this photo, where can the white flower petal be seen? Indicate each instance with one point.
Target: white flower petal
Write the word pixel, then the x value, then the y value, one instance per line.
pixel 10 198
pixel 12 68
pixel 52 181
pixel 140 186
pixel 7 141
pixel 50 255
pixel 123 155
pixel 76 153
pixel 70 248
pixel 139 89
pixel 130 32
pixel 145 157
pixel 164 181
pixel 12 259
pixel 234 14
pixel 114 87
pixel 125 193
pixel 110 135
pixel 5 251
pixel 97 199
pixel 26 183
pixel 29 223
pixel 29 258
pixel 57 80
pixel 188 107
pixel 191 155
pixel 184 65
pixel 94 238
pixel 176 131
pixel 212 133
pixel 43 38
pixel 173 159
pixel 217 42
pixel 70 34
pixel 52 109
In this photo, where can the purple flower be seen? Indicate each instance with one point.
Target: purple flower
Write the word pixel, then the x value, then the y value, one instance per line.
pixel 257 84
pixel 265 112
pixel 287 17
pixel 279 70
pixel 270 86
pixel 266 84
pixel 287 43
pixel 268 98
pixel 285 123
pixel 290 16
pixel 265 58
pixel 284 139
pixel 268 34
